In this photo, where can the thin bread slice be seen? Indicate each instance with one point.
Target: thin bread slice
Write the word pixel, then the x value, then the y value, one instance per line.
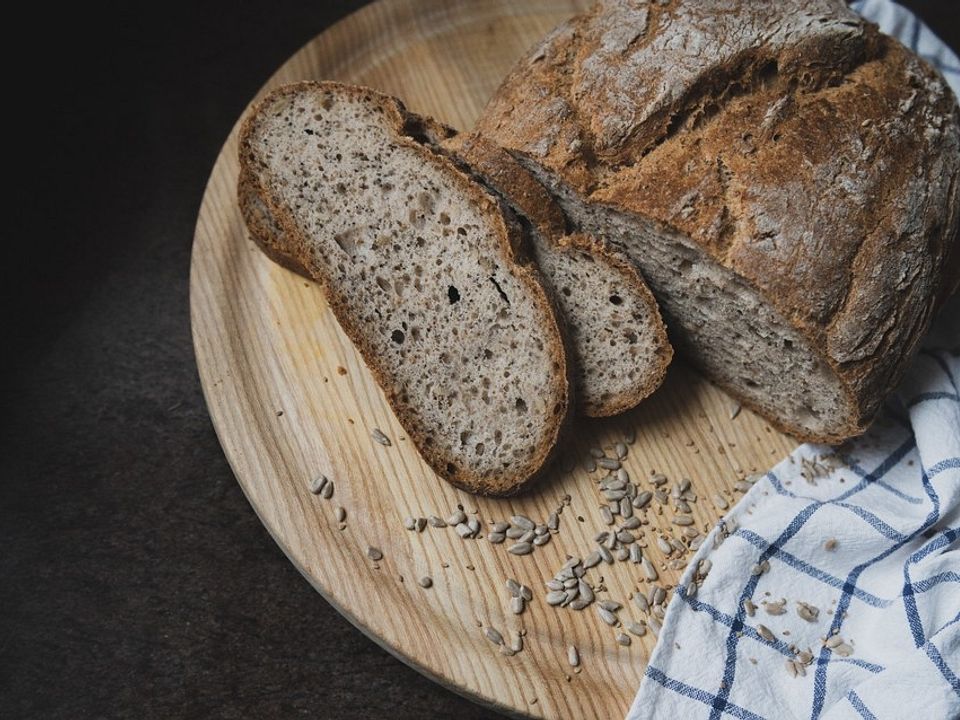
pixel 424 270
pixel 617 338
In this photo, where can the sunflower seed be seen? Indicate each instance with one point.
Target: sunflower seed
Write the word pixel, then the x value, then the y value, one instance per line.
pixel 609 463
pixel 474 525
pixel 425 582
pixel 579 604
pixel 691 589
pixel 749 608
pixel 623 639
pixel 493 636
pixel 626 509
pixel 500 527
pixel 682 520
pixel 541 530
pixel 665 547
pixel 611 541
pixel 378 436
pixel 520 548
pixel 612 495
pixel 341 514
pixel 516 605
pixel 775 608
pixel 496 538
pixel 830 545
pixel 605 555
pixel 528 536
pixel 506 651
pixel 585 591
pixel 409 523
pixel 592 560
pixel 843 650
pixel 526 593
pixel 601 537
pixel 541 540
pixel 631 523
pixel 573 656
pixel 436 522
pixel 791 668
pixel 636 554
pixel 327 491
pixel 589 465
pixel 608 617
pixel 553 522
pixel 463 530
pixel 658 479
pixel 704 567
pixel 513 587
pixel 766 633
pixel 649 570
pixel 801 670
pixel 734 411
pixel 690 532
pixel 555 597
pixel 742 486
pixel 808 612
pixel 421 524
pixel 554 584
pixel 515 532
pixel 720 503
pixel 760 568
pixel 317 484
pixel 683 507
pixel 833 641
pixel 622 474
pixel 523 521
pixel 606 515
pixel 571 563
pixel 626 537
pixel 659 595
pixel 642 500
pixel 654 626
pixel 517 644
pixel 805 657
pixel 457 518
pixel 374 553
pixel 611 605
pixel 638 629
pixel 597 453
pixel 659 611
pixel 611 483
pixel 570 583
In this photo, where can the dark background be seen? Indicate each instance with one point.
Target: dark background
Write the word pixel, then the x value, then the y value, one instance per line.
pixel 135 580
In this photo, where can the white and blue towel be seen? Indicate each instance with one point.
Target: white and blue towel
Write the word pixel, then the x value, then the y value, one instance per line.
pixel 891 587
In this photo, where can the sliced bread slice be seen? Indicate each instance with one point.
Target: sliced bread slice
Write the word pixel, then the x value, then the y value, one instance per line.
pixel 423 268
pixel 617 339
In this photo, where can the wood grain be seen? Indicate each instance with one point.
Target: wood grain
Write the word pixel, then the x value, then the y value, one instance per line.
pixel 291 399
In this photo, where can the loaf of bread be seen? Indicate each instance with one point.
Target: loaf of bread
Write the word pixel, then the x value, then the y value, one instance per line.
pixel 618 342
pixel 785 177
pixel 425 271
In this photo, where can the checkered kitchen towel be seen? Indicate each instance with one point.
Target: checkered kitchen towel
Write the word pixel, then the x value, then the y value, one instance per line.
pixel 890 588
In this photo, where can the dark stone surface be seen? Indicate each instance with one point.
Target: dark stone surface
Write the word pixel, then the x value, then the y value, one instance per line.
pixel 135 580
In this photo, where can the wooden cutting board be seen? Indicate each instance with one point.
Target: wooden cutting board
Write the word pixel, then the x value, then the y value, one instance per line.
pixel 291 400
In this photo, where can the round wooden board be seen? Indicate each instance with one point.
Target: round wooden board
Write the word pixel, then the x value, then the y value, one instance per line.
pixel 291 399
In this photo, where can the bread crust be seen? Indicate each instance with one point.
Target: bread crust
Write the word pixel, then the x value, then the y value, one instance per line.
pixel 505 175
pixel 820 165
pixel 289 248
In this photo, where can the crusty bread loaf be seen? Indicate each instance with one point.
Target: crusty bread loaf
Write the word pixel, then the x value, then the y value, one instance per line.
pixel 424 270
pixel 617 338
pixel 785 177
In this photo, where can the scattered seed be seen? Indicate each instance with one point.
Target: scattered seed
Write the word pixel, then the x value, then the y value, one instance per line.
pixel 734 411
pixel 609 463
pixel 608 617
pixel 378 436
pixel 626 537
pixel 791 668
pixel 766 633
pixel 615 496
pixel 649 570
pixel 493 636
pixel 605 555
pixel 513 587
pixel 654 626
pixel 658 479
pixel 327 492
pixel 523 521
pixel 830 545
pixel 579 603
pixel 317 484
pixel 623 639
pixel 844 650
pixel 833 641
pixel 805 657
pixel 341 514
pixel 682 520
pixel 528 536
pixel 584 590
pixel 515 532
pixel 553 522
pixel 457 518
pixel 659 595
pixel 638 629
pixel 691 589
pixel 516 605
pixel 541 540
pixel 642 499
pixel 636 555
pixel 592 560
pixel 425 582
pixel 570 583
pixel 720 503
pixel 500 527
pixel 520 548
pixel 554 584
pixel 631 523
pixel 573 656
pixel 589 465
pixel 517 645
pixel 496 538
pixel 409 523
pixel 742 486
pixel 808 612
pixel 526 593
pixel 606 515
pixel 463 530
pixel 374 553
pixel 421 524
pixel 775 608
pixel 749 608
pixel 474 525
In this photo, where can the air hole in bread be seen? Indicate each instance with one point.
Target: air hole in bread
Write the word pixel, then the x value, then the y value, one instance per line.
pixel 520 405
pixel 453 294
pixel 503 295
pixel 616 300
